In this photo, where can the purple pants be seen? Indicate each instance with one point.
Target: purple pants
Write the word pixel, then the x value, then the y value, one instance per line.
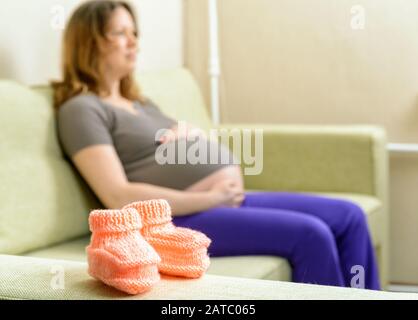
pixel 326 241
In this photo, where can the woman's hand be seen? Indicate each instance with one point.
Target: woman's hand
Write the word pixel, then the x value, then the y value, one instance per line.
pixel 227 193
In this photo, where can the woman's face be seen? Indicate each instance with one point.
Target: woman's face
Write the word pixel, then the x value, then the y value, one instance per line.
pixel 120 52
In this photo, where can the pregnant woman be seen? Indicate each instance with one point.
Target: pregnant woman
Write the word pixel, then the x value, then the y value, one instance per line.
pixel 107 128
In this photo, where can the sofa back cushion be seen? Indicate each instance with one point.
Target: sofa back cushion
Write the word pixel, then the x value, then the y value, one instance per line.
pixel 43 199
pixel 176 92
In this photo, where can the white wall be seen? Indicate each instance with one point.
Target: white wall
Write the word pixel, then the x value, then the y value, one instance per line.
pixel 30 37
pixel 161 23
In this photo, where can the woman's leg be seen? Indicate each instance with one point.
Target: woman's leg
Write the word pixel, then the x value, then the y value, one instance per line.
pixel 304 240
pixel 347 222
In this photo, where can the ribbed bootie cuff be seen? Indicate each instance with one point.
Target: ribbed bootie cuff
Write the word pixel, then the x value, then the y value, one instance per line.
pixel 114 220
pixel 152 212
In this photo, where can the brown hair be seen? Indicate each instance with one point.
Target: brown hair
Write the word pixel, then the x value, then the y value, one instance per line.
pixel 80 53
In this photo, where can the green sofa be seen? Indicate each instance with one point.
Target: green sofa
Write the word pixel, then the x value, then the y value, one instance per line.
pixel 45 203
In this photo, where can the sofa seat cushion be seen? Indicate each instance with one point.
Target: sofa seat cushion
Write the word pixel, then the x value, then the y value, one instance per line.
pixel 30 278
pixel 256 267
pixel 73 250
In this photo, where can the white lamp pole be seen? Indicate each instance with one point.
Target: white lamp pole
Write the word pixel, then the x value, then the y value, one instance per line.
pixel 214 63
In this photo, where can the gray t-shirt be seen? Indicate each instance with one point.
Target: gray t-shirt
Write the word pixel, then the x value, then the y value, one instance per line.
pixel 86 120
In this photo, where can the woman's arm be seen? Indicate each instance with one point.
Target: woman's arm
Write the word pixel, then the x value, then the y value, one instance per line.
pixel 181 202
pixel 100 166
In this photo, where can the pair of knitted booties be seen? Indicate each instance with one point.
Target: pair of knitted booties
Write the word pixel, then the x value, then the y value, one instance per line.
pixel 130 247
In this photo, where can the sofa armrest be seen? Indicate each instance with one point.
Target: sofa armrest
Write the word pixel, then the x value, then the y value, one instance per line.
pixel 36 278
pixel 350 159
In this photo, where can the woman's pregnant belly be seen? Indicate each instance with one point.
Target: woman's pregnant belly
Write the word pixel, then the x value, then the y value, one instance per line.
pixel 190 177
pixel 232 172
